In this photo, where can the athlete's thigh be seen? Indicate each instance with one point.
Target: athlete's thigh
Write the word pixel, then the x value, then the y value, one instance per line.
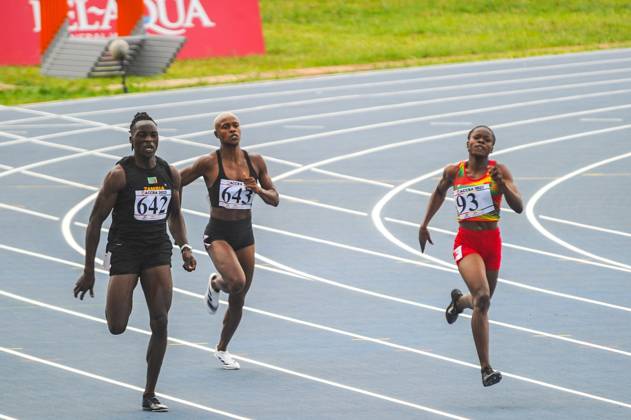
pixel 472 270
pixel 157 285
pixel 491 276
pixel 120 291
pixel 225 260
pixel 246 260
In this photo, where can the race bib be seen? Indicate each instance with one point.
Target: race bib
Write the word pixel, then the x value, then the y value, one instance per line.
pixel 151 204
pixel 235 195
pixel 473 200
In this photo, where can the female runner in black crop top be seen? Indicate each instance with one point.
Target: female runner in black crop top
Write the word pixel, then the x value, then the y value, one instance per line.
pixel 231 177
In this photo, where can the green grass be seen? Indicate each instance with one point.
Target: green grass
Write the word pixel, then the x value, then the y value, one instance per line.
pixel 384 33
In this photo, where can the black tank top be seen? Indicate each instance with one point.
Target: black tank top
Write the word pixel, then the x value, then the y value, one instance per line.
pixel 143 206
pixel 229 193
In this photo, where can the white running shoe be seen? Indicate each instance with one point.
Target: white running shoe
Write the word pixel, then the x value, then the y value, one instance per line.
pixel 226 360
pixel 212 295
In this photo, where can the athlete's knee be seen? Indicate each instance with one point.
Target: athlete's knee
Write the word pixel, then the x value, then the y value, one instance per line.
pixel 116 327
pixel 236 285
pixel 159 324
pixel 482 301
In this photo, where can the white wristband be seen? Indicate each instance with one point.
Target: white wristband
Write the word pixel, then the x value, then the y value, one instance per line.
pixel 185 246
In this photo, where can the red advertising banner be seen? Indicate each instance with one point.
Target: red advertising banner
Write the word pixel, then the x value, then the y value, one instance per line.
pixel 212 27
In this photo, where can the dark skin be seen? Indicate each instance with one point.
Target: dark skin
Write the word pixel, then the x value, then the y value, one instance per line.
pixel 236 268
pixel 480 281
pixel 156 282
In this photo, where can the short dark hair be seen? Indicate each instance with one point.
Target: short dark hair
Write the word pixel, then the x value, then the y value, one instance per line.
pixel 482 126
pixel 140 116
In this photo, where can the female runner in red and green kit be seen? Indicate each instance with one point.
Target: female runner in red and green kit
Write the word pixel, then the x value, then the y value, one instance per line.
pixel 478 185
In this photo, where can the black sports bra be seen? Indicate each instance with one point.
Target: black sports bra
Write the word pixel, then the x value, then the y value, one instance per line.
pixel 229 193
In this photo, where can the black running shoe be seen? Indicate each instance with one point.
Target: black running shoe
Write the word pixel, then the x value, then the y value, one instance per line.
pixel 153 404
pixel 452 311
pixel 490 376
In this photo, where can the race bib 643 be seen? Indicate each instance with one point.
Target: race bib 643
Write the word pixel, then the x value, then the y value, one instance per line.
pixel 235 195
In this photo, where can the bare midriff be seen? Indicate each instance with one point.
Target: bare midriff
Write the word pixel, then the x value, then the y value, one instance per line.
pixel 229 214
pixel 478 225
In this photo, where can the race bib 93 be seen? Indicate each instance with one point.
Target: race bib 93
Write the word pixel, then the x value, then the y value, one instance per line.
pixel 473 200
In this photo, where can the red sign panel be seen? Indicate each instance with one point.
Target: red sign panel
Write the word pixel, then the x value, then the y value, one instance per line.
pixel 211 27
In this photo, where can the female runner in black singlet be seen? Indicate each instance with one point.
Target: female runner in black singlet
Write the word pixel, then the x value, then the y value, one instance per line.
pixel 232 177
pixel 144 192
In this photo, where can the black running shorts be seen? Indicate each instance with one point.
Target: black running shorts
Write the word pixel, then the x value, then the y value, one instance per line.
pixel 134 257
pixel 238 233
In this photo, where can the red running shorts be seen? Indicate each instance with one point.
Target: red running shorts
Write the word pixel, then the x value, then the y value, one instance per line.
pixel 486 243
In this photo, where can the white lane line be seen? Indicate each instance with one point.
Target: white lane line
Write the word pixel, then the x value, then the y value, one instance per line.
pixel 66 221
pixel 378 208
pixel 519 247
pixel 412 104
pixel 308 167
pixel 342 209
pixel 338 113
pixel 29 212
pixel 582 225
pixel 73 148
pixel 23 139
pixel 362 110
pixel 601 120
pixel 4 417
pixel 335 331
pixel 537 196
pixel 103 126
pixel 44 125
pixel 323 205
pixel 451 123
pixel 205 254
pixel 10 135
pixel 530 331
pixel 450 268
pixel 424 79
pixel 53 179
pixel 304 127
pixel 118 383
pixel 72 242
pixel 310 202
pixel 441 357
pixel 407 348
pixel 519 65
pixel 289 271
pixel 12 142
pixel 241 358
pixel 331 160
pixel 442 266
pixel 351 178
pixel 403 143
pixel 59 159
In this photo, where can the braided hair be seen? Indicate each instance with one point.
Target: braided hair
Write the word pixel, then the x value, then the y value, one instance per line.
pixel 140 116
pixel 482 126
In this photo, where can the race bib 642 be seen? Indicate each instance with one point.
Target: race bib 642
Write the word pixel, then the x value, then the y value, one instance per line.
pixel 151 204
